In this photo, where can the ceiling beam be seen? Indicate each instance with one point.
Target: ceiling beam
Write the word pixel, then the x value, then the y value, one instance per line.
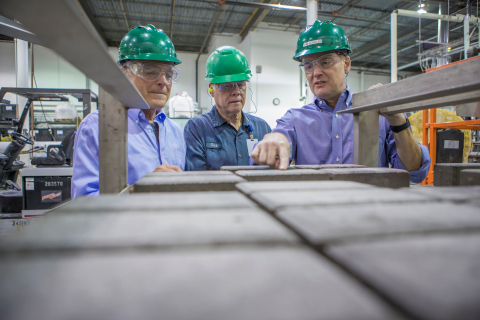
pixel 257 16
pixel 346 5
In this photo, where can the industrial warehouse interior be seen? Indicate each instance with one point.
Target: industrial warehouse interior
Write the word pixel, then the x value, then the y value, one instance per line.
pixel 250 159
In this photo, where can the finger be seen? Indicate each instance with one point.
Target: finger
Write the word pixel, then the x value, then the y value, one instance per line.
pixel 284 153
pixel 254 154
pixel 262 157
pixel 272 155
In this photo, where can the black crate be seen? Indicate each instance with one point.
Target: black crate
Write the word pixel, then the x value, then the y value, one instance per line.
pixel 45 192
pixel 450 146
pixel 60 133
pixel 8 112
pixel 43 135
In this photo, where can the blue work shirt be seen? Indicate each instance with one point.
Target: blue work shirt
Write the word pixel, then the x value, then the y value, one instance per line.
pixel 319 135
pixel 212 142
pixel 143 150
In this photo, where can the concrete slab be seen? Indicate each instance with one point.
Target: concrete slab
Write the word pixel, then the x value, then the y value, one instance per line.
pixel 433 277
pixel 251 187
pixel 188 173
pixel 380 177
pixel 448 174
pixel 149 229
pixel 458 194
pixel 470 177
pixel 275 200
pixel 283 175
pixel 328 166
pixel 321 225
pixel 237 168
pixel 160 202
pixel 191 183
pixel 277 283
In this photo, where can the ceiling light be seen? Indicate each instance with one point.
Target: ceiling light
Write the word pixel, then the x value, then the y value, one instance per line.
pixel 421 11
pixel 421 5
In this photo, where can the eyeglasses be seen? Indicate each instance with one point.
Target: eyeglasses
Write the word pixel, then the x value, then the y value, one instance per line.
pixel 324 62
pixel 153 71
pixel 230 86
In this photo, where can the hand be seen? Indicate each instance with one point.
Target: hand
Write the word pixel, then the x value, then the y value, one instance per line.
pixel 393 119
pixel 273 150
pixel 167 168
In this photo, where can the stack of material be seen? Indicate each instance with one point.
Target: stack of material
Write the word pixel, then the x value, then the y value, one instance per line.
pixel 269 250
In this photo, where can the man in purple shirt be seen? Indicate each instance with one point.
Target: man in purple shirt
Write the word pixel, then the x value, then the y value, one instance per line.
pixel 316 133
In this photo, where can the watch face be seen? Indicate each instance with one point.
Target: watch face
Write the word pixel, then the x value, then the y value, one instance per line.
pixel 276 101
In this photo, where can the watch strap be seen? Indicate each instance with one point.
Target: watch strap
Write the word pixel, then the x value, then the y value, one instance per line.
pixel 400 128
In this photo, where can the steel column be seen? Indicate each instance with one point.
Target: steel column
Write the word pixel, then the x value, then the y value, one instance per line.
pixel 312 16
pixel 393 47
pixel 112 143
pixel 21 71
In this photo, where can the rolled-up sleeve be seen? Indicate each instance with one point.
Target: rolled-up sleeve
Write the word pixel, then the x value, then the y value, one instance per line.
pixel 195 158
pixel 85 179
pixel 416 176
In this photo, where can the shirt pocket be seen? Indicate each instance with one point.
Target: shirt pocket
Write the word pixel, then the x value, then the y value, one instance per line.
pixel 215 153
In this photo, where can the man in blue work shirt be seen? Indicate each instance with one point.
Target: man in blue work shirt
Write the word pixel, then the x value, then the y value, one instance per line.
pixel 155 143
pixel 225 136
pixel 316 133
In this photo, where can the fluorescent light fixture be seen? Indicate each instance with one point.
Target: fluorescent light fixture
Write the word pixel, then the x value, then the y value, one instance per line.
pixel 421 11
pixel 421 5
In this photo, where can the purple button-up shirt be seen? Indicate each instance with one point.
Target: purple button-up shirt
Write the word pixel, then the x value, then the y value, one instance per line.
pixel 319 135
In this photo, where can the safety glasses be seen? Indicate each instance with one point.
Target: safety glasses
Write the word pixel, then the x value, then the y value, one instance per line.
pixel 230 86
pixel 324 62
pixel 153 71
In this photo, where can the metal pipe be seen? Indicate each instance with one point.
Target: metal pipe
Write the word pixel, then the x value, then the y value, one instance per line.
pixel 474 155
pixel 414 14
pixel 393 47
pixel 312 16
pixel 171 20
pixel 442 34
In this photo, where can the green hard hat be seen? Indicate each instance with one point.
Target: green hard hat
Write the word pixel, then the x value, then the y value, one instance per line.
pixel 321 37
pixel 147 43
pixel 227 64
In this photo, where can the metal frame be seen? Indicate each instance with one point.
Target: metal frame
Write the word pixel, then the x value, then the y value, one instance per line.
pixel 452 83
pixel 79 43
pixel 86 96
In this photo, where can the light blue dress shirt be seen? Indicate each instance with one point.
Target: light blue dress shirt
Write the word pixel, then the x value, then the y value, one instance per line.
pixel 212 142
pixel 143 150
pixel 319 135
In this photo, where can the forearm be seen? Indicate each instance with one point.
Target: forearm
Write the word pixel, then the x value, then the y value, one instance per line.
pixel 408 149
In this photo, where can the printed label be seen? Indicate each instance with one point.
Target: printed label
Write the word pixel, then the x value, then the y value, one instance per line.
pixel 214 145
pixel 59 131
pixel 30 185
pixel 451 144
pixel 51 196
pixel 8 108
pixel 250 144
pixel 312 42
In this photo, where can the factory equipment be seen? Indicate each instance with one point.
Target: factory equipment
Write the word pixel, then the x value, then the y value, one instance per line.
pixel 181 106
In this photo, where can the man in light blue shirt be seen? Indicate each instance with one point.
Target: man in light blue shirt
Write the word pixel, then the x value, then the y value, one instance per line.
pixel 225 136
pixel 316 133
pixel 155 143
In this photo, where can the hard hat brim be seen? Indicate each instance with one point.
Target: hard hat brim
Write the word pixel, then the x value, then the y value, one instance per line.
pixel 229 78
pixel 323 48
pixel 151 56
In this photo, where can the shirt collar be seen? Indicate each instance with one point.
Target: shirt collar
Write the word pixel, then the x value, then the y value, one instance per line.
pixel 137 114
pixel 344 101
pixel 218 120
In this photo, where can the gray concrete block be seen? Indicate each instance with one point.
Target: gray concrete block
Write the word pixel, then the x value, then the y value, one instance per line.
pixel 277 283
pixel 321 225
pixel 274 200
pixel 191 183
pixel 207 227
pixel 160 202
pixel 448 174
pixel 328 166
pixel 188 173
pixel 433 277
pixel 237 168
pixel 380 177
pixel 251 187
pixel 456 194
pixel 283 175
pixel 470 177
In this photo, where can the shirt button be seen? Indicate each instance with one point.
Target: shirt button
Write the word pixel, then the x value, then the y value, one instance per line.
pixel 338 159
pixel 239 155
pixel 320 101
pixel 136 121
pixel 237 137
pixel 336 115
pixel 336 136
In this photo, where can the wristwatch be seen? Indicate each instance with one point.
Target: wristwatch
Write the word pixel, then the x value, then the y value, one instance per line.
pixel 400 128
